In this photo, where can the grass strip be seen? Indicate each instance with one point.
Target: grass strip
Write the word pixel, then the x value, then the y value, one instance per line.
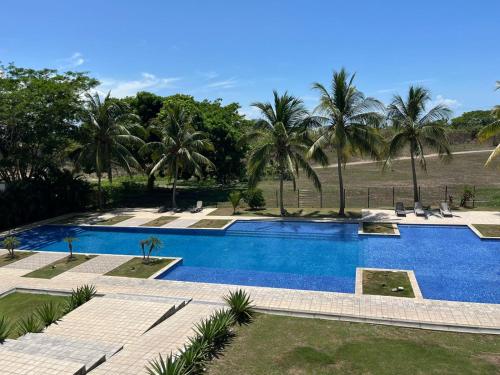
pixel 382 283
pixel 60 266
pixel 136 268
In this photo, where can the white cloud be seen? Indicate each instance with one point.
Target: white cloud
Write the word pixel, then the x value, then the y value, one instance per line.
pixel 209 75
pixel 74 61
pixel 249 112
pixel 147 81
pixel 450 103
pixel 225 84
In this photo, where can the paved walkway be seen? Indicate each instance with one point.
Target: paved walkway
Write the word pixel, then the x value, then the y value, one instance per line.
pixel 36 261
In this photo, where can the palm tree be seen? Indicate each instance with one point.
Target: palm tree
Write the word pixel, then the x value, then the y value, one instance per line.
pixel 107 135
pixel 10 243
pixel 492 130
pixel 282 139
pixel 348 117
pixel 415 127
pixel 69 241
pixel 180 146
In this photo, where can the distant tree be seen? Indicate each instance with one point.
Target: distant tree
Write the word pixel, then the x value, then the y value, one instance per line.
pixel 281 137
pixel 146 105
pixel 472 119
pixel 349 118
pixel 180 147
pixel 235 199
pixel 492 130
pixel 107 138
pixel 69 241
pixel 415 127
pixel 39 114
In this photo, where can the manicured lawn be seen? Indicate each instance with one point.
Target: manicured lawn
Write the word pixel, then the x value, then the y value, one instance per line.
pixel 56 268
pixel 292 212
pixel 6 259
pixel 114 220
pixel 382 228
pixel 209 223
pixel 381 283
pixel 159 221
pixel 16 306
pixel 488 230
pixel 275 345
pixel 137 268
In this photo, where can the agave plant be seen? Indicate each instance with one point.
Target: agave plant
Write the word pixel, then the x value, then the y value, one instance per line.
pixel 29 324
pixel 240 306
pixel 215 331
pixel 48 313
pixel 166 366
pixel 79 296
pixel 195 354
pixel 4 328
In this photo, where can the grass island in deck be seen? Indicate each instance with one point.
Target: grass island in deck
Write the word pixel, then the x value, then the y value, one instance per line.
pixel 137 268
pixel 382 283
pixel 60 266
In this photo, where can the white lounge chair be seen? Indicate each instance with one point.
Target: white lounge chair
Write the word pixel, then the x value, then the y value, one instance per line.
pixel 418 209
pixel 198 208
pixel 444 209
pixel 400 209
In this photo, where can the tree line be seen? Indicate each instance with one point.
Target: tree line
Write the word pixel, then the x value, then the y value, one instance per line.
pixel 51 122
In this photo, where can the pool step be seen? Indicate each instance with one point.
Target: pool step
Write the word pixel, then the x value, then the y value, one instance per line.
pixel 87 353
pixel 304 235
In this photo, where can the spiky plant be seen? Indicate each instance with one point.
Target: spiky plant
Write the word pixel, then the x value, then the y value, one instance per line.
pixel 241 306
pixel 48 313
pixel 215 331
pixel 4 328
pixel 29 324
pixel 79 296
pixel 195 354
pixel 166 366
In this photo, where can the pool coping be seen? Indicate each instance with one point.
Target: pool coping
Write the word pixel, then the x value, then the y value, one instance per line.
pixel 479 234
pixel 411 275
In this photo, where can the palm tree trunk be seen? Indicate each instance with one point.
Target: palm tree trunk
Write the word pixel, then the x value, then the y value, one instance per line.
pixel 99 191
pixel 282 208
pixel 174 187
pixel 341 185
pixel 414 174
pixel 151 182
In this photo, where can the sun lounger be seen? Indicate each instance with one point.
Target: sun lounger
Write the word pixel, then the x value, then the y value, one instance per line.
pixel 198 208
pixel 400 209
pixel 418 209
pixel 444 209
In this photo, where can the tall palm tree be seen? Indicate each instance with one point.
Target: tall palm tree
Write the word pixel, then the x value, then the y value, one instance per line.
pixel 282 139
pixel 107 137
pixel 180 147
pixel 415 127
pixel 348 117
pixel 492 130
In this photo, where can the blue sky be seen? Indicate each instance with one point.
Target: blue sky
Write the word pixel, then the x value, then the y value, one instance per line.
pixel 242 50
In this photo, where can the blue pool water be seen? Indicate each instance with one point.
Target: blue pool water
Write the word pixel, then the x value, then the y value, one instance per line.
pixel 450 263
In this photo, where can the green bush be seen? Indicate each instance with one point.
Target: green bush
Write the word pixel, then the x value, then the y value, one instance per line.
pixel 4 328
pixel 240 306
pixel 195 355
pixel 167 366
pixel 254 198
pixel 29 324
pixel 48 313
pixel 235 199
pixel 215 331
pixel 79 296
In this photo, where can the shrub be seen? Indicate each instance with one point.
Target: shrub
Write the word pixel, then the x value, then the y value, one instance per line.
pixel 29 324
pixel 241 306
pixel 195 355
pixel 48 313
pixel 10 243
pixel 235 199
pixel 466 197
pixel 254 198
pixel 4 328
pixel 215 331
pixel 79 296
pixel 167 366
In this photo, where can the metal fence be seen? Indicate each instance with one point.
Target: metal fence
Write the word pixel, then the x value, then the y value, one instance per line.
pixel 387 196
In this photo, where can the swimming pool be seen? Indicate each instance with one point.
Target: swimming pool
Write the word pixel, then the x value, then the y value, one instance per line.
pixel 450 262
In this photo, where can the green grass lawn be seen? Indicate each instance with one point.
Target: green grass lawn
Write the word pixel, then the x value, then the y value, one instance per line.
pixel 381 283
pixel 159 221
pixel 114 220
pixel 382 228
pixel 292 212
pixel 18 255
pixel 17 306
pixel 60 266
pixel 138 269
pixel 275 345
pixel 488 230
pixel 209 223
